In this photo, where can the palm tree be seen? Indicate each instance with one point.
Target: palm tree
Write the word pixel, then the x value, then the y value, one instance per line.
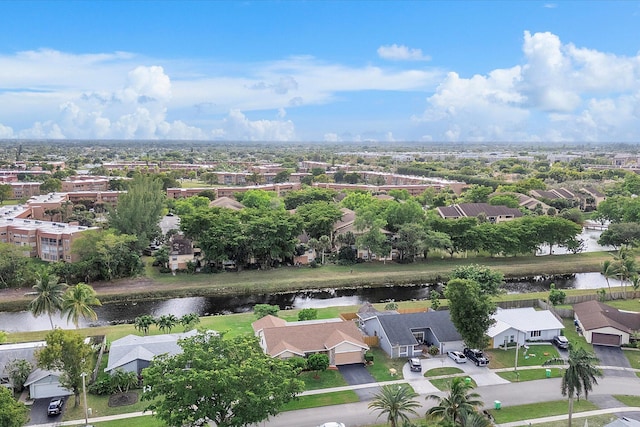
pixel 579 377
pixel 78 301
pixel 166 322
pixel 49 295
pixel 608 270
pixel 324 243
pixel 459 402
pixel 396 401
pixel 142 323
pixel 626 267
pixel 189 320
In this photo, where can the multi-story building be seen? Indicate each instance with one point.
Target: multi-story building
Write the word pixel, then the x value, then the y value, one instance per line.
pixel 21 190
pixel 85 184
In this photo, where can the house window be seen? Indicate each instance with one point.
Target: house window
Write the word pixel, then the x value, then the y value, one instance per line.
pixel 512 338
pixel 536 333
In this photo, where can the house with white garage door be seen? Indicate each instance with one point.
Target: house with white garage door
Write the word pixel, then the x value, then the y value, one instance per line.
pixel 44 384
pixel 522 325
pixel 602 324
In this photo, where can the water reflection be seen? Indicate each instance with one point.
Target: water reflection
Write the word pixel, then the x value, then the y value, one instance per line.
pixel 126 312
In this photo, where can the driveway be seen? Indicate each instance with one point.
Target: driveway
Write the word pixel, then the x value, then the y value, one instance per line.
pixel 38 413
pixel 356 374
pixel 614 357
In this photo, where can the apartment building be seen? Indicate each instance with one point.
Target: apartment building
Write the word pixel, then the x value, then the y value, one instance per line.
pixel 85 184
pixel 21 190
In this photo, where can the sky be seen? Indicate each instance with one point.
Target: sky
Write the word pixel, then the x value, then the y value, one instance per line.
pixel 334 71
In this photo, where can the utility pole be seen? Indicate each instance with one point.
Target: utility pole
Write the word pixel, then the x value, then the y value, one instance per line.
pixel 84 392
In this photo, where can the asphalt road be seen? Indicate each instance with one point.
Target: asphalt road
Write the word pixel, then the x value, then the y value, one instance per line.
pixel 38 412
pixel 358 414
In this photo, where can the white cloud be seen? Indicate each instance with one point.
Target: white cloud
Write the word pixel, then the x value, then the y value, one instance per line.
pixel 559 93
pixel 331 137
pixel 237 126
pixel 396 52
pixel 5 131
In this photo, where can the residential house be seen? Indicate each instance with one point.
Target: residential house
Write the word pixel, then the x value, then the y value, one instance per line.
pixel 493 214
pixel 11 352
pixel 405 335
pixel 602 324
pixel 133 353
pixel 44 384
pixel 340 340
pixel 523 325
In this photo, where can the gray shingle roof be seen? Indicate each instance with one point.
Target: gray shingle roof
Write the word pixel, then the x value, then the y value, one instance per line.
pixel 398 327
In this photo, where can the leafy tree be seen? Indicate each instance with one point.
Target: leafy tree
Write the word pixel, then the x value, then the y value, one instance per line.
pixel 189 320
pixel 228 381
pixel 347 255
pixel 167 322
pixel 50 185
pixel 12 412
pixel 12 266
pixel 409 241
pixel 621 234
pixel 471 310
pixel 294 199
pixel 397 214
pixel 261 310
pixel 318 218
pixel 477 194
pixel 5 192
pixel 507 200
pixel 271 235
pixel 308 314
pixel 66 351
pixel 318 362
pixel 390 306
pixel 459 402
pixel 556 296
pixel 434 297
pixel 49 295
pixel 139 210
pixel 555 231
pixel 489 280
pixel 458 232
pixel 282 176
pixel 143 323
pixel 346 239
pixel 397 402
pixel 579 377
pixel 258 199
pixel 78 302
pixel 18 371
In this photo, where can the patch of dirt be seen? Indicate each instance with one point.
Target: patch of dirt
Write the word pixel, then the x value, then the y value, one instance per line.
pixel 123 399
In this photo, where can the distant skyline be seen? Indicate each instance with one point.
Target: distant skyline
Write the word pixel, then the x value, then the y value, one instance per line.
pixel 335 71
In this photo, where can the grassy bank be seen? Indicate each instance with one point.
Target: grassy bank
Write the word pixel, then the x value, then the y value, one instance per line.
pixel 154 285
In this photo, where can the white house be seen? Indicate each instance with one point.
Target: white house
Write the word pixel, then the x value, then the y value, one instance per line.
pixel 523 325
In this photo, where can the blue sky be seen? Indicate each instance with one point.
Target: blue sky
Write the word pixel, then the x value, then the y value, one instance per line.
pixel 331 71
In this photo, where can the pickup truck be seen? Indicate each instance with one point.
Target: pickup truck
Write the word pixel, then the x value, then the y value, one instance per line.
pixel 476 356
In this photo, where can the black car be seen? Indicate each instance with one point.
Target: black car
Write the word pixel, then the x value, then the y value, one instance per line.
pixel 476 356
pixel 55 406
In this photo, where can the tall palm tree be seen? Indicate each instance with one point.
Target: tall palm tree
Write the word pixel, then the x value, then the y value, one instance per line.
pixel 396 401
pixel 78 302
pixel 49 295
pixel 609 269
pixel 460 401
pixel 580 376
pixel 626 267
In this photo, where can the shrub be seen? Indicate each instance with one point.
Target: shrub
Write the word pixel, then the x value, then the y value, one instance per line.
pixel 298 363
pixel 101 387
pixel 434 351
pixel 368 357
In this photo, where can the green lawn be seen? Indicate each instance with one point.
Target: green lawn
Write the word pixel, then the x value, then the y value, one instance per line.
pixel 436 372
pixel 146 421
pixel 327 379
pixel 99 407
pixel 628 400
pixel 530 374
pixel 444 384
pixel 509 414
pixel 381 365
pixel 536 355
pixel 576 340
pixel 317 400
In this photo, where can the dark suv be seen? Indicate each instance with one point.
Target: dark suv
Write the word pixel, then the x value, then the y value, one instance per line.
pixel 476 356
pixel 55 406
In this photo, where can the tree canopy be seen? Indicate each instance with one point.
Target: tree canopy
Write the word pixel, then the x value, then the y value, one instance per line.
pixel 229 381
pixel 471 310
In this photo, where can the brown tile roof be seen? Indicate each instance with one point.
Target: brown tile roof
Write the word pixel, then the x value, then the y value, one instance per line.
pixel 594 314
pixel 311 337
pixel 267 321
pixel 345 223
pixel 226 202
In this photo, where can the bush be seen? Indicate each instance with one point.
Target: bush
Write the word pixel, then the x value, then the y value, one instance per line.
pixel 368 357
pixel 434 351
pixel 298 363
pixel 101 387
pixel 314 264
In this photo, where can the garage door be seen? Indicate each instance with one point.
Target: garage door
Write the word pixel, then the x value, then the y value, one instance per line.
pixel 41 391
pixel 347 358
pixel 605 339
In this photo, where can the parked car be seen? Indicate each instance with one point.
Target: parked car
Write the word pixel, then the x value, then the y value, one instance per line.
pixel 457 356
pixel 561 341
pixel 415 365
pixel 55 406
pixel 332 424
pixel 476 356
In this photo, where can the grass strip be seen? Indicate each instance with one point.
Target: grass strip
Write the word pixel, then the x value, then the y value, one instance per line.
pixel 628 400
pixel 318 400
pixel 444 384
pixel 530 374
pixel 509 414
pixel 436 372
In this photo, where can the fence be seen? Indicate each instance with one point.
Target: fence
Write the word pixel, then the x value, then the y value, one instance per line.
pixel 371 341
